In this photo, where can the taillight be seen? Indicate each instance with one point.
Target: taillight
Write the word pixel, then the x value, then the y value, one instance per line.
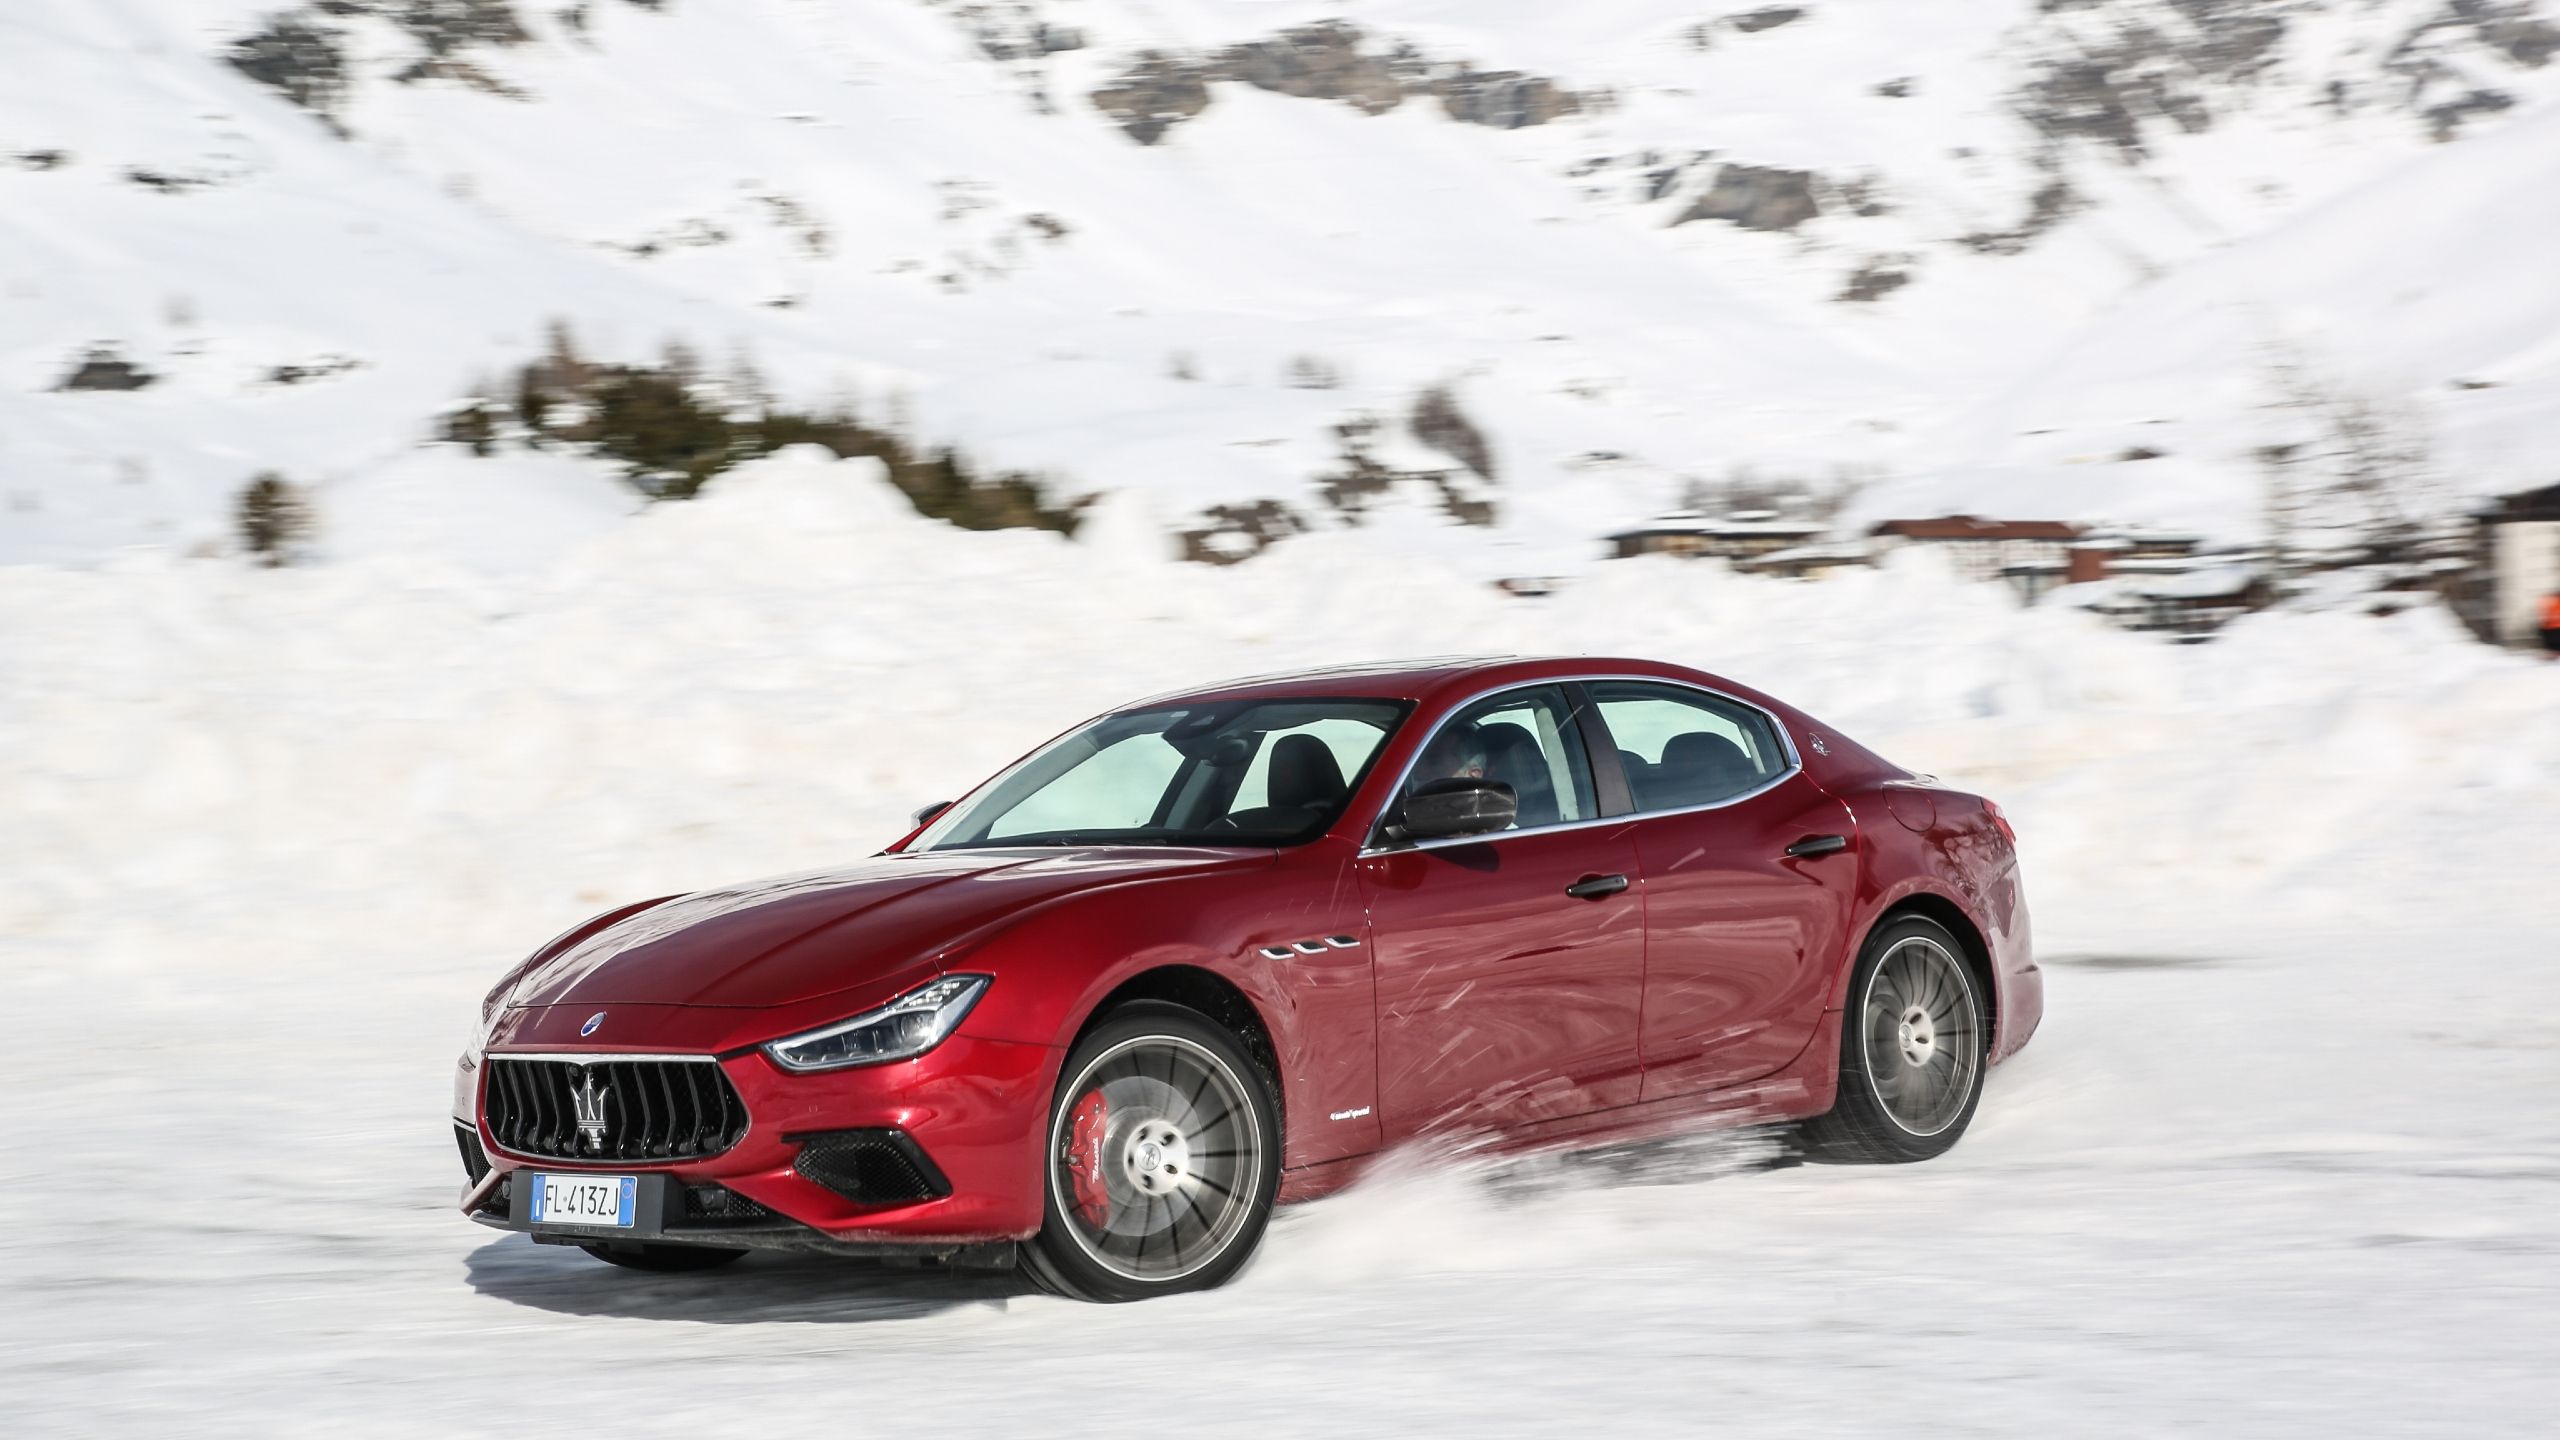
pixel 2007 831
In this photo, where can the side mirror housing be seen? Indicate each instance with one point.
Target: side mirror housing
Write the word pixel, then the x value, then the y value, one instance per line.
pixel 1443 809
pixel 924 815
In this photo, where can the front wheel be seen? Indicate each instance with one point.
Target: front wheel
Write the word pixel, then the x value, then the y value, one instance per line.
pixel 1911 1050
pixel 1163 1158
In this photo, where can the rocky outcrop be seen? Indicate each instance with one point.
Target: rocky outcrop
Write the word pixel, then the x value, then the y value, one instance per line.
pixel 1753 21
pixel 2053 202
pixel 303 54
pixel 103 368
pixel 1227 534
pixel 1330 60
pixel 1014 32
pixel 298 59
pixel 1153 95
pixel 2170 61
pixel 1325 62
pixel 2121 74
pixel 1880 276
pixel 2430 60
pixel 1503 99
pixel 1756 197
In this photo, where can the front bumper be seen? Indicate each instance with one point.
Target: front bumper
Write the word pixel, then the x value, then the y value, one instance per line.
pixel 970 1115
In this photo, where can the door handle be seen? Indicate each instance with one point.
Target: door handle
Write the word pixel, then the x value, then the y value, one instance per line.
pixel 1596 887
pixel 1812 845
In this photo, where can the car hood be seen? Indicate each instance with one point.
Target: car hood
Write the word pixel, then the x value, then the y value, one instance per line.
pixel 795 938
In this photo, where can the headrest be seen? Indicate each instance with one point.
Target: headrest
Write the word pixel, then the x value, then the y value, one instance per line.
pixel 1304 774
pixel 1707 756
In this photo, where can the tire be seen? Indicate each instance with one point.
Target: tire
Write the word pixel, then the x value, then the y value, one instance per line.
pixel 662 1259
pixel 1162 1160
pixel 1915 1011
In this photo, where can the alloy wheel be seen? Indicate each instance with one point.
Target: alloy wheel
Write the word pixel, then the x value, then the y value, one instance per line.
pixel 1922 1028
pixel 1157 1159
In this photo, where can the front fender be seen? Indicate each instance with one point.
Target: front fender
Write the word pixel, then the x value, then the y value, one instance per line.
pixel 1057 969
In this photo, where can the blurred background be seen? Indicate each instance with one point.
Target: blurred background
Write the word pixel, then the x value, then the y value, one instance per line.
pixel 468 463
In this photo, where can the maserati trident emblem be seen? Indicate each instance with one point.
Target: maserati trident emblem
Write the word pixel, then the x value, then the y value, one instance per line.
pixel 589 1103
pixel 590 1027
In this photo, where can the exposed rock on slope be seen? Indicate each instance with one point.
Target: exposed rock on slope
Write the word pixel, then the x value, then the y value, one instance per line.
pixel 1331 60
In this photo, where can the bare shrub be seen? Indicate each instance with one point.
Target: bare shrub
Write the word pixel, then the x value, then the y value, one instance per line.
pixel 274 519
pixel 1440 424
pixel 2355 479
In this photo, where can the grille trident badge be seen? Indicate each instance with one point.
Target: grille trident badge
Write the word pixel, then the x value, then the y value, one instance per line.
pixel 589 1102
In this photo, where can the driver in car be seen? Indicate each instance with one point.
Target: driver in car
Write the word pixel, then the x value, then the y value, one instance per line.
pixel 1456 753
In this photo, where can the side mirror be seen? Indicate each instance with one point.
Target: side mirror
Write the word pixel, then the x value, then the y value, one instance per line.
pixel 926 814
pixel 1446 808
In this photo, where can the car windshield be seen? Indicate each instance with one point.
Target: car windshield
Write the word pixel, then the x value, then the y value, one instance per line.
pixel 1241 772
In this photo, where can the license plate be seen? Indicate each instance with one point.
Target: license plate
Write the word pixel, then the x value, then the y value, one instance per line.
pixel 603 1200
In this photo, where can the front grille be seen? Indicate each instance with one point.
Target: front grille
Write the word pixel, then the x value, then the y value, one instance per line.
pixel 870 1167
pixel 631 1109
pixel 475 1161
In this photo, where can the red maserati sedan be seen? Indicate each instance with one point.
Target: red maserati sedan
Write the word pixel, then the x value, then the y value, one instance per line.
pixel 1209 953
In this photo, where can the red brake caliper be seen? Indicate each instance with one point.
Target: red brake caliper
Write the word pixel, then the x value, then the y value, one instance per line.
pixel 1085 1126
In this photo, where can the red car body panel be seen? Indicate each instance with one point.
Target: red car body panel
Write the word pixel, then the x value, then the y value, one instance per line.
pixel 1742 940
pixel 1502 1000
pixel 1404 991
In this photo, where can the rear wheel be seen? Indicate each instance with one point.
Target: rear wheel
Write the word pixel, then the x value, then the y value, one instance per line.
pixel 1911 1050
pixel 661 1259
pixel 1163 1158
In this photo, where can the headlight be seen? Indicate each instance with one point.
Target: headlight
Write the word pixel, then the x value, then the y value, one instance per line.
pixel 900 1030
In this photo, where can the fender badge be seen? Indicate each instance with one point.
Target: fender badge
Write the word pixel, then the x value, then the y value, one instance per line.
pixel 590 1027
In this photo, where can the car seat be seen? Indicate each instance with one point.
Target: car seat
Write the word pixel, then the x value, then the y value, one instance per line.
pixel 1700 768
pixel 1512 757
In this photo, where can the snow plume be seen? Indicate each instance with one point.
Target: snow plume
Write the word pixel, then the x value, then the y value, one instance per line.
pixel 1440 1208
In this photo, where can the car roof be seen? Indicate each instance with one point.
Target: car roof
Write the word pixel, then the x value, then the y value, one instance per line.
pixel 1415 679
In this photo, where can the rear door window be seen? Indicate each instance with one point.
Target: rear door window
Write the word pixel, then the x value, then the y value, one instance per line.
pixel 1684 748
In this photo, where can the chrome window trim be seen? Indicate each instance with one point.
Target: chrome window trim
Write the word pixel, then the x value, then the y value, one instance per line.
pixel 1787 740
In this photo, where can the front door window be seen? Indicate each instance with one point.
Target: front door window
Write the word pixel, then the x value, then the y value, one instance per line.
pixel 1525 739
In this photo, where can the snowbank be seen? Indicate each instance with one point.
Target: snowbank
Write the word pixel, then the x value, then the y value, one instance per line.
pixel 778 672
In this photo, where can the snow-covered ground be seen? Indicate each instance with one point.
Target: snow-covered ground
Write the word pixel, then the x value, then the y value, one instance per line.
pixel 2282 1160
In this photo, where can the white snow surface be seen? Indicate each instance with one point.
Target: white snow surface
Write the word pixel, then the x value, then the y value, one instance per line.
pixel 845 195
pixel 2282 1160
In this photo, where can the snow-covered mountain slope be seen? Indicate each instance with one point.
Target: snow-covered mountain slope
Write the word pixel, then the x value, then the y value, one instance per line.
pixel 1970 254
